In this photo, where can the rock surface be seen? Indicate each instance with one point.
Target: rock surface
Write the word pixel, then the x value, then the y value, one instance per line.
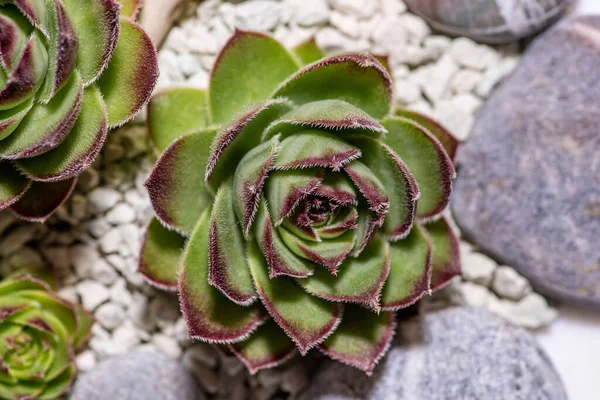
pixel 460 353
pixel 528 191
pixel 140 375
pixel 491 21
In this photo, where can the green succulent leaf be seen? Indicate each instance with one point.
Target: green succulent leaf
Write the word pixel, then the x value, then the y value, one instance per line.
pixel 42 199
pixel 85 321
pixel 160 257
pixel 190 106
pixel 13 185
pixel 362 338
pixel 251 65
pixel 130 8
pixel 266 348
pixel 410 271
pixel 358 79
pixel 228 270
pixel 308 52
pixel 36 11
pixel 446 253
pixel 16 32
pixel 176 188
pixel 358 280
pixel 96 24
pixel 427 161
pixel 11 118
pixel 79 149
pixel 209 314
pixel 306 319
pixel 131 74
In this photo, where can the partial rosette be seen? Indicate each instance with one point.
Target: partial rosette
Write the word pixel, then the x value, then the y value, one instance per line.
pixel 39 333
pixel 70 71
pixel 294 208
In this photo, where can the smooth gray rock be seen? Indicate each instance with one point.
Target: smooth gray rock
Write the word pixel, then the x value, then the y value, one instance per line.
pixel 459 353
pixel 491 21
pixel 528 191
pixel 140 375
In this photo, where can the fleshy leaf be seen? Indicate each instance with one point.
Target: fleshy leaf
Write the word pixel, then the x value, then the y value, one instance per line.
pixel 36 13
pixel 85 320
pixel 337 188
pixel 59 385
pixel 427 161
pixel 13 185
pixel 337 116
pixel 130 8
pixel 346 220
pixel 42 199
pixel 175 112
pixel 211 316
pixel 160 256
pixel 45 126
pixel 249 179
pixel 359 280
pixel 11 118
pixel 251 65
pixel 27 76
pixel 410 271
pixel 80 147
pixel 400 186
pixel 16 31
pixel 228 269
pixel 306 319
pixel 97 26
pixel 447 140
pixel 279 257
pixel 285 189
pixel 329 253
pixel 238 137
pixel 266 348
pixel 309 149
pixel 177 191
pixel 362 338
pixel 358 79
pixel 446 254
pixel 129 78
pixel 308 52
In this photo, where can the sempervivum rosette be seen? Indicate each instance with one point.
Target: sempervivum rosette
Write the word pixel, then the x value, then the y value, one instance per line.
pixel 39 333
pixel 293 191
pixel 70 70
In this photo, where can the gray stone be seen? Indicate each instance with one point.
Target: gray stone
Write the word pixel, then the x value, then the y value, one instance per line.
pixel 459 353
pixel 528 191
pixel 140 375
pixel 492 21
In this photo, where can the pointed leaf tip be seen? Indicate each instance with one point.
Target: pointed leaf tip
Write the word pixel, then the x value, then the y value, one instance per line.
pixel 42 199
pixel 446 254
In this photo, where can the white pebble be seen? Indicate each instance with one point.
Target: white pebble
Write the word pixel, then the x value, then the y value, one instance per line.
pixel 472 55
pixel 92 294
pixel 510 284
pixel 86 361
pixel 465 81
pixel 478 268
pixel 258 15
pixel 110 315
pixel 360 8
pixel 123 213
pixel 110 242
pixel 166 345
pixel 103 199
pixel 308 12
pixel 407 92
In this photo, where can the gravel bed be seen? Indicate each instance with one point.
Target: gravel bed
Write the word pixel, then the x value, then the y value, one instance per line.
pixel 94 239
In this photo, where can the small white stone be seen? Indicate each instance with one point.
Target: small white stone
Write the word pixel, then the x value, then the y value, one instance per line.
pixel 530 312
pixel 332 41
pixel 103 199
pixel 472 55
pixel 478 268
pixel 422 107
pixel 176 40
pixel 416 28
pixel 25 258
pixel 467 102
pixel 110 315
pixel 123 213
pixel 110 242
pixel 139 313
pixel 86 361
pixel 294 379
pixel 103 272
pixel 471 294
pixel 220 31
pixel 164 309
pixel 435 79
pixel 68 293
pixel 437 44
pixel 58 257
pixel 494 75
pixel 92 294
pixel 510 284
pixel 126 336
pixel 207 9
pixel 465 81
pixel 166 345
pixel 16 239
pixel 407 92
pixel 167 62
pixel 119 293
pixel 391 7
pixel 98 227
pixel 199 79
pixel 390 35
pixel 200 40
pixel 188 64
pixel 457 121
pixel 269 377
pixel 347 24
pixel 360 8
pixel 258 15
pixel 200 353
pixel 308 12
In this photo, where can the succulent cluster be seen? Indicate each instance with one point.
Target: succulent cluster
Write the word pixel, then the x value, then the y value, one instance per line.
pixel 70 71
pixel 307 208
pixel 38 335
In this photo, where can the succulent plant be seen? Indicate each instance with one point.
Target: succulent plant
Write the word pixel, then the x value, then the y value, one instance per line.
pixel 308 210
pixel 39 333
pixel 70 70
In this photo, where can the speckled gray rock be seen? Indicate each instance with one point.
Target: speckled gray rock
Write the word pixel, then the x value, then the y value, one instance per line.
pixel 528 191
pixel 139 375
pixel 460 353
pixel 491 21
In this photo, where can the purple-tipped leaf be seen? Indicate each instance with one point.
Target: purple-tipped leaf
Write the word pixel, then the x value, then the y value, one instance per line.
pixel 359 79
pixel 160 256
pixel 14 35
pixel 306 319
pixel 446 253
pixel 359 280
pixel 130 8
pixel 410 271
pixel 362 338
pixel 338 189
pixel 42 199
pixel 268 347
pixel 11 118
pixel 346 220
pixel 228 269
pixel 210 315
pixel 36 12
pixel 13 185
